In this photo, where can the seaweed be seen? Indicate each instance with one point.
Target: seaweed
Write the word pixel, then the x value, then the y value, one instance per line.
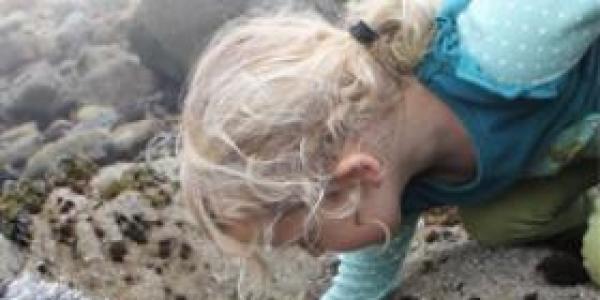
pixel 74 172
pixel 17 202
pixel 154 187
pixel 25 197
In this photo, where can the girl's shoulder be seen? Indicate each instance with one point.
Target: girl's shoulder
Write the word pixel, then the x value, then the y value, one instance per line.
pixel 514 48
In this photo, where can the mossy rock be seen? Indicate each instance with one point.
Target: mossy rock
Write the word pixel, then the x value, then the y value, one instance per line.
pixel 155 188
pixel 17 202
pixel 93 145
pixel 23 195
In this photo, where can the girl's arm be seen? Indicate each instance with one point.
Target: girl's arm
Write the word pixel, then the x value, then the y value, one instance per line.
pixel 530 42
pixel 372 272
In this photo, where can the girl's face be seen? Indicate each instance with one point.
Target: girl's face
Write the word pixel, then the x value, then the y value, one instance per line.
pixel 376 217
pixel 376 184
pixel 359 177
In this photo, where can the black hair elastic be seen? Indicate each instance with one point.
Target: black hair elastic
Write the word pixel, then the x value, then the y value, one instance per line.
pixel 363 33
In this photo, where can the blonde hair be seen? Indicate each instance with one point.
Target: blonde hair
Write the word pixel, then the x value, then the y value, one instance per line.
pixel 275 99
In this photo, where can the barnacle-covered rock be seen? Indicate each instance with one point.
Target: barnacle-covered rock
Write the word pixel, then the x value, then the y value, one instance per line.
pixel 18 201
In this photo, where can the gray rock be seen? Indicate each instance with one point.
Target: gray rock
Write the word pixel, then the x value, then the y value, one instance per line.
pixel 16 49
pixel 109 175
pixel 8 6
pixel 11 260
pixel 61 9
pixel 13 22
pixel 28 287
pixel 56 130
pixel 18 144
pixel 96 116
pixel 168 167
pixel 110 76
pixel 37 96
pixel 127 204
pixel 74 32
pixel 169 37
pixel 11 135
pixel 129 139
pixel 107 6
pixel 93 144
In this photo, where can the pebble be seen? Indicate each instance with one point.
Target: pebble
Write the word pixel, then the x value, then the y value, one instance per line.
pixel 165 247
pixel 117 251
pixel 134 230
pixel 185 251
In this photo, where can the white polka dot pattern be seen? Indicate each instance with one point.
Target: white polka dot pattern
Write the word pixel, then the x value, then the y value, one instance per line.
pixel 532 42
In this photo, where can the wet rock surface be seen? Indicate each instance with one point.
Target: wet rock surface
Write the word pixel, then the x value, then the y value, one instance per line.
pixel 12 260
pixel 452 266
pixel 92 144
pixel 129 139
pixel 107 75
pixel 168 39
pixel 18 144
pixel 37 95
pixel 128 247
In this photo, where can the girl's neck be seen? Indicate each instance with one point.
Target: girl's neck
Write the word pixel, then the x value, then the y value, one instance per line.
pixel 440 146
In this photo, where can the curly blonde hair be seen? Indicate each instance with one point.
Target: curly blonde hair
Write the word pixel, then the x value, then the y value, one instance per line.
pixel 274 100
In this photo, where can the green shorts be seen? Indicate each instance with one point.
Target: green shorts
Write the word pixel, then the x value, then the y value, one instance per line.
pixel 541 208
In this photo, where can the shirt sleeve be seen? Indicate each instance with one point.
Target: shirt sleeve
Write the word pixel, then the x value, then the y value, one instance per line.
pixel 372 272
pixel 528 43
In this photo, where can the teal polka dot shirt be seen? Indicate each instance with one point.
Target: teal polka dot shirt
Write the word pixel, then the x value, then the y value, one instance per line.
pixel 528 42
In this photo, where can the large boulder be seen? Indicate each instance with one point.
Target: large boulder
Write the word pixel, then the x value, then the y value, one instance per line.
pixel 169 37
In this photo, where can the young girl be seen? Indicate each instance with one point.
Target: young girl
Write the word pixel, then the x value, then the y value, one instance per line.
pixel 296 131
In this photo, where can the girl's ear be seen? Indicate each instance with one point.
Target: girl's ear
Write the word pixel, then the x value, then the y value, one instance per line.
pixel 361 167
